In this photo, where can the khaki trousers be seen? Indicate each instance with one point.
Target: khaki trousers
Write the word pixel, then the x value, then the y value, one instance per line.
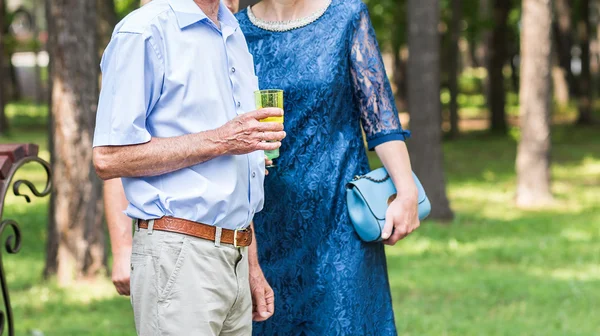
pixel 182 285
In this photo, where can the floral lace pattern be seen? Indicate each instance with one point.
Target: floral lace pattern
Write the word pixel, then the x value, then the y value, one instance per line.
pixel 326 280
pixel 379 114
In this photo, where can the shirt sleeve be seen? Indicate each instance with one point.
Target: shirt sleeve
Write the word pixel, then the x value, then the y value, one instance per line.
pixel 378 112
pixel 132 77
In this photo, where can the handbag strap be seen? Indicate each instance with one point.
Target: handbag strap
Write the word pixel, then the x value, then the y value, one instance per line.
pixel 358 177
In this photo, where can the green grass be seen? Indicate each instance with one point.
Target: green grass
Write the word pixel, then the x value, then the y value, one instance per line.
pixel 495 270
pixel 27 115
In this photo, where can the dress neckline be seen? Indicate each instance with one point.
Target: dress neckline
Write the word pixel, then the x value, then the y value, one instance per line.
pixel 283 26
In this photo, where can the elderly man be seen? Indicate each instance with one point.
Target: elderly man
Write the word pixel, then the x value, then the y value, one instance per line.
pixel 173 124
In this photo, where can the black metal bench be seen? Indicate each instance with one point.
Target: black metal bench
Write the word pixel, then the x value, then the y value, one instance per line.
pixel 12 158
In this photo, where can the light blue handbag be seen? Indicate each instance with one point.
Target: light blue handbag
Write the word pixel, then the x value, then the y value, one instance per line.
pixel 368 197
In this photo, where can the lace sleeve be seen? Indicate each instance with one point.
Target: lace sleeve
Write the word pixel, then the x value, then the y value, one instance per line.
pixel 378 111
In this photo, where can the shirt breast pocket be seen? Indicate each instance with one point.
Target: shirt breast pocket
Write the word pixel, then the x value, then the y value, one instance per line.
pixel 249 87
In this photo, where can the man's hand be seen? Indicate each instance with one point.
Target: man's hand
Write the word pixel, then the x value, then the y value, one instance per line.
pixel 401 219
pixel 267 163
pixel 120 272
pixel 263 298
pixel 246 134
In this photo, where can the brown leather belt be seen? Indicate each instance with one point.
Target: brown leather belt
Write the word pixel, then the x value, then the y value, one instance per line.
pixel 237 238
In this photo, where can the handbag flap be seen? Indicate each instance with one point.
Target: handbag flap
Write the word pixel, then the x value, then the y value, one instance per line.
pixel 378 195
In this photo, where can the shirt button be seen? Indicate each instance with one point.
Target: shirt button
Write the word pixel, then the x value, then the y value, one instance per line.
pixel 239 104
pixel 253 174
pixel 232 69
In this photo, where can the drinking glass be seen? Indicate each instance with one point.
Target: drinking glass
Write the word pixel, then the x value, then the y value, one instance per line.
pixel 270 98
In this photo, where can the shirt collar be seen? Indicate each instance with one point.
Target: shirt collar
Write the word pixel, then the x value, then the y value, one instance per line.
pixel 188 13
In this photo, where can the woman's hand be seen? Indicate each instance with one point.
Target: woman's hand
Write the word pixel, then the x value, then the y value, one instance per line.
pixel 402 216
pixel 401 219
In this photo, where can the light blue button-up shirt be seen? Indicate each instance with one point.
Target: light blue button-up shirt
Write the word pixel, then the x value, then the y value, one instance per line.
pixel 169 71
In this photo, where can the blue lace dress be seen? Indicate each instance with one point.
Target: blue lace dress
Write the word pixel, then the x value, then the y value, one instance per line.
pixel 326 281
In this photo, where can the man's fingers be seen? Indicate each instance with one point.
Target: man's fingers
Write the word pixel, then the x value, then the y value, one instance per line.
pixel 269 127
pixel 262 310
pixel 258 299
pixel 122 287
pixel 265 113
pixel 261 304
pixel 270 299
pixel 273 136
pixel 267 308
pixel 268 145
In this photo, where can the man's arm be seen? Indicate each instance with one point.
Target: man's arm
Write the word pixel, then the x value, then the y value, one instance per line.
pixel 402 216
pixel 119 230
pixel 263 298
pixel 242 135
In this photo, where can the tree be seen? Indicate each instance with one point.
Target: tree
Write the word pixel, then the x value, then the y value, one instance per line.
pixel 497 53
pixel 563 38
pixel 10 80
pixel 453 68
pixel 533 154
pixel 76 236
pixel 2 95
pixel 399 40
pixel 424 102
pixel 585 82
pixel 107 19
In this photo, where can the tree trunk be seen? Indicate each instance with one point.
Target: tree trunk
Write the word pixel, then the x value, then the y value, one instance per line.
pixel 453 66
pixel 2 94
pixel 495 64
pixel 14 80
pixel 76 246
pixel 107 20
pixel 482 52
pixel 3 83
pixel 400 79
pixel 585 82
pixel 533 155
pixel 39 90
pixel 399 62
pixel 514 71
pixel 424 102
pixel 563 38
pixel 560 85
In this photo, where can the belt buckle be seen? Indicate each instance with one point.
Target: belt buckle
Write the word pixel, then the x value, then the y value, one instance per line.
pixel 235 238
pixel 235 232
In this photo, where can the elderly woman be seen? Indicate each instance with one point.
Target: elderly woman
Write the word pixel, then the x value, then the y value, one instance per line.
pixel 324 55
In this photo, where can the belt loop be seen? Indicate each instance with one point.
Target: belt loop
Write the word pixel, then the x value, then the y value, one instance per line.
pixel 218 233
pixel 150 226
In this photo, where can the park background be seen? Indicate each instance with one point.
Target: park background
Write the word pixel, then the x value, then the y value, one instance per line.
pixel 502 99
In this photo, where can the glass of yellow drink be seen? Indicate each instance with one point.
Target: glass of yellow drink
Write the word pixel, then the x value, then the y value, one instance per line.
pixel 270 98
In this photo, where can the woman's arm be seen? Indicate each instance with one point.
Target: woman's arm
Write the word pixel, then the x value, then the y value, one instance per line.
pixel 380 121
pixel 402 216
